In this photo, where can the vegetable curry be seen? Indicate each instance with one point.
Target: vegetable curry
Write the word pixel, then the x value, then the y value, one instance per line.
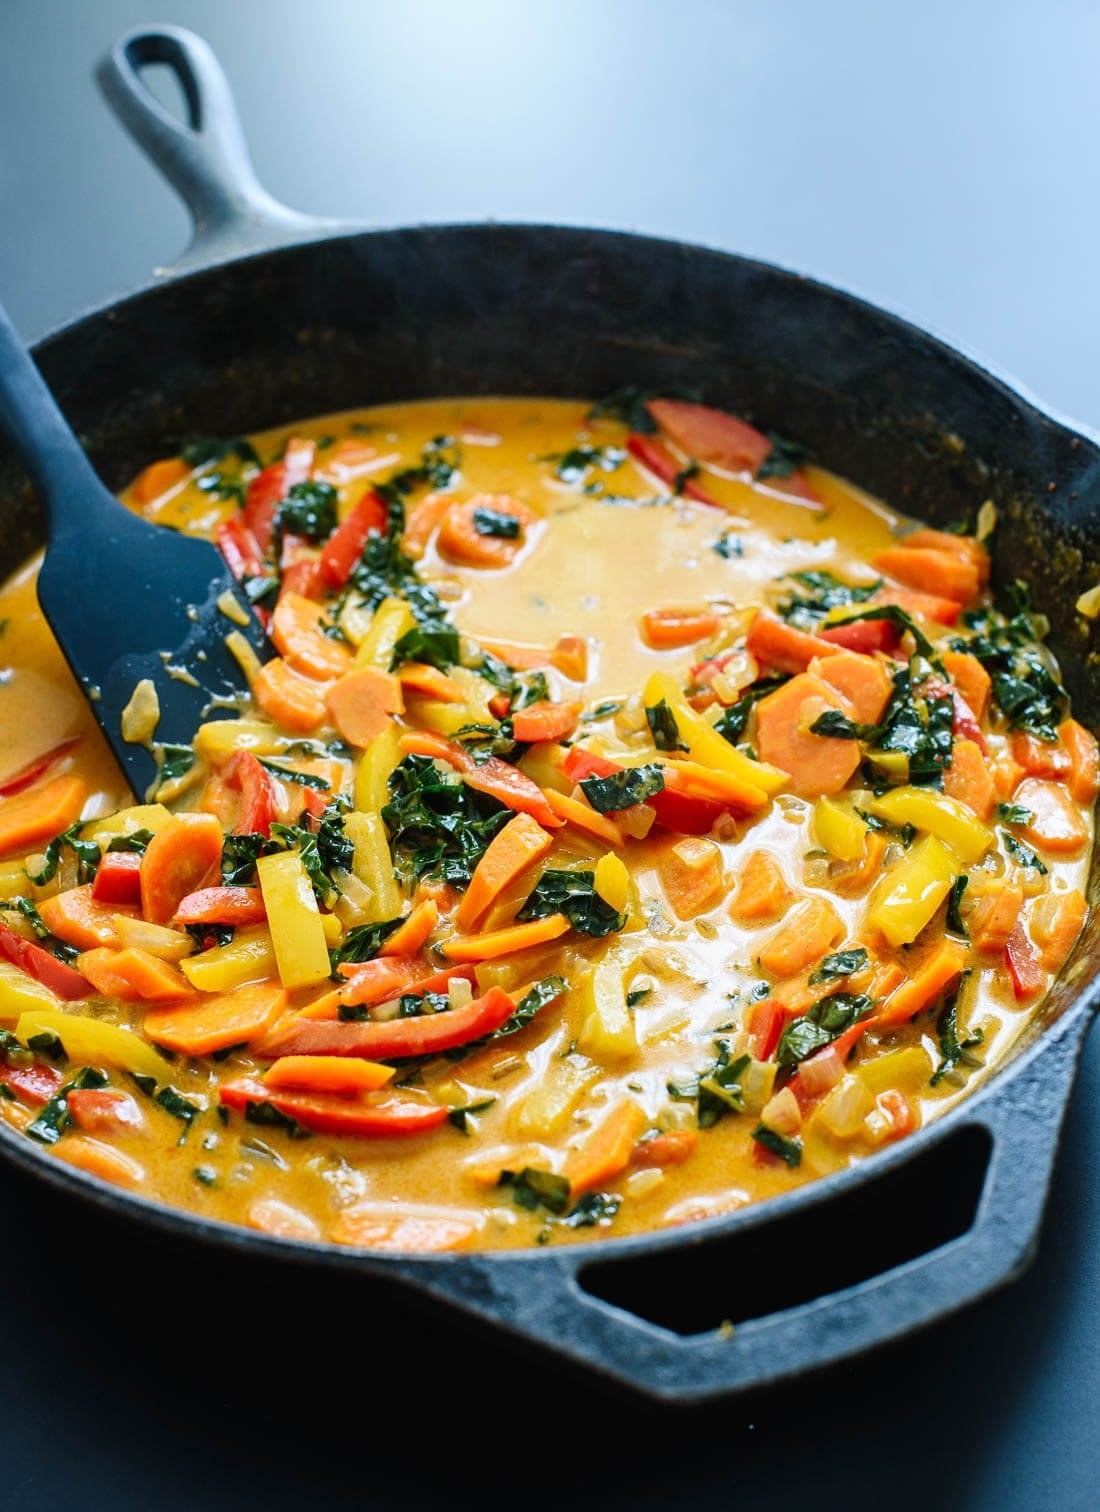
pixel 635 822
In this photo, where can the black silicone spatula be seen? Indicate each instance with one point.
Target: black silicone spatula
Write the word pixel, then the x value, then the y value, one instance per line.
pixel 126 599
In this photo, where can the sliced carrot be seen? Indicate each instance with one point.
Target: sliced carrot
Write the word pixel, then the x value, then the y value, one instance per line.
pixel 570 657
pixel 971 679
pixel 411 1227
pixel 1084 761
pixel 819 764
pixel 39 813
pixel 421 522
pixel 762 889
pixel 545 721
pixel 77 918
pixel 580 813
pixel 148 979
pixel 936 973
pixel 502 942
pixel 513 850
pixel 217 1023
pixel 272 1216
pixel 1056 921
pixel 670 629
pixel 409 938
pixel 921 606
pixel 863 680
pixel 298 637
pixel 776 644
pixel 363 702
pixel 1039 758
pixel 993 918
pixel 294 703
pixel 690 873
pixel 328 1073
pixel 968 779
pixel 419 677
pixel 178 860
pixel 97 1159
pixel 221 905
pixel 1057 824
pixel 519 657
pixel 606 1152
pixel 460 540
pixel 805 936
pixel 964 546
pixel 947 574
pixel 1006 773
pixel 98 965
pixel 668 1149
pixel 99 1110
pixel 158 479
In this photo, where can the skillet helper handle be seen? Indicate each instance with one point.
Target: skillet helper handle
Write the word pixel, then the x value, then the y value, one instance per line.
pixel 544 1300
pixel 205 159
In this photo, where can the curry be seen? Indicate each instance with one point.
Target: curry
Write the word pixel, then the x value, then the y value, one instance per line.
pixel 634 822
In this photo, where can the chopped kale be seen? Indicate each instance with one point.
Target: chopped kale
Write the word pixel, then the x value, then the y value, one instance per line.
pixel 620 790
pixel 288 774
pixel 716 1090
pixel 663 727
pixel 1022 854
pixel 309 510
pixel 460 1117
pixel 204 450
pixel 785 457
pixel 897 616
pixel 54 1117
pixel 363 942
pixel 178 1106
pixel 531 1188
pixel 264 1113
pixel 1014 813
pixel 820 1025
pixel 87 855
pixel 575 466
pixel 593 1208
pixel 729 545
pixel 601 711
pixel 135 842
pixel 573 894
pixel 438 826
pixel 734 721
pixel 628 404
pixel 530 688
pixel 788 1150
pixel 841 963
pixel 954 899
pixel 174 762
pixel 435 642
pixel 826 592
pixel 493 522
pixel 1009 647
pixel 952 1049
pixel 239 856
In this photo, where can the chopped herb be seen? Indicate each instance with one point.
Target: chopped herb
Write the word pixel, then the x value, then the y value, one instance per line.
pixel 734 721
pixel 663 727
pixel 49 1044
pixel 363 942
pixel 54 1117
pixel 531 1188
pixel 204 450
pixel 820 1025
pixel 684 477
pixel 1021 853
pixel 531 688
pixel 826 592
pixel 1014 813
pixel 438 826
pixel 573 894
pixel 620 790
pixel 87 855
pixel 460 1117
pixel 637 995
pixel 592 1209
pixel 952 1049
pixel 717 1089
pixel 239 856
pixel 574 466
pixel 175 761
pixel 785 457
pixel 841 963
pixel 178 1106
pixel 954 898
pixel 492 522
pixel 205 1175
pixel 897 616
pixel 788 1150
pixel 834 725
pixel 309 510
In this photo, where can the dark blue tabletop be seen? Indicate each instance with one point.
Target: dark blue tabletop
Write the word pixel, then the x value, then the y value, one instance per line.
pixel 937 159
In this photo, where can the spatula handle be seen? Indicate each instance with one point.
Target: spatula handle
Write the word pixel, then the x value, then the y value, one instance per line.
pixel 41 436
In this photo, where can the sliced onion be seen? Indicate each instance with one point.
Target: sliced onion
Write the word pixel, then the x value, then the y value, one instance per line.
pixel 821 1071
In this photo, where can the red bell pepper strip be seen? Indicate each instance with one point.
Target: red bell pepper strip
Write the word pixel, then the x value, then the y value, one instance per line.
pixel 394 1039
pixel 35 1084
pixel 964 723
pixel 42 966
pixel 102 1111
pixel 36 768
pixel 656 458
pixel 765 1021
pixel 222 905
pixel 1022 961
pixel 865 636
pixel 303 577
pixel 345 545
pixel 118 879
pixel 270 487
pixel 329 1113
pixel 723 440
pixel 240 549
pixel 258 800
pixel 495 777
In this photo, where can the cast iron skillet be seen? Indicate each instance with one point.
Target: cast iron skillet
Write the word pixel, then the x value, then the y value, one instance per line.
pixel 270 317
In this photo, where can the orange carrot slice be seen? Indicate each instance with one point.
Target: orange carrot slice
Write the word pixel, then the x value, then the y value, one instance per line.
pixel 77 918
pixel 502 942
pixel 925 985
pixel 293 702
pixel 460 540
pixel 819 764
pixel 762 890
pixel 1056 824
pixel 607 1151
pixel 968 779
pixel 579 813
pixel 346 1074
pixel 216 1023
pixel 39 813
pixel 362 702
pixel 298 637
pixel 519 845
pixel 670 629
pixel 410 937
pixel 805 936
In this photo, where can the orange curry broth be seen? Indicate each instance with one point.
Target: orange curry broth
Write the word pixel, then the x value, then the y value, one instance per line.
pixel 646 1092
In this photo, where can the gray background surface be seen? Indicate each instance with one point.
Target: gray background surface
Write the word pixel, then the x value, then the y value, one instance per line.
pixel 938 159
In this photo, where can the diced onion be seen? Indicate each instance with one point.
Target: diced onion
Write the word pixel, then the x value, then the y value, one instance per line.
pixel 821 1072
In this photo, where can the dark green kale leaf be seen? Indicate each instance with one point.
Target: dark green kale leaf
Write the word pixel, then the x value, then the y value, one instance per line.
pixel 628 404
pixel 953 1051
pixel 820 1025
pixel 87 855
pixel 435 642
pixel 592 1209
pixel 493 522
pixel 363 942
pixel 620 790
pixel 663 727
pixel 532 1188
pixel 309 510
pixel 239 856
pixel 573 894
pixel 438 826
pixel 788 1150
pixel 841 963
pixel 785 457
pixel 826 592
pixel 1009 647
pixel 1022 854
pixel 954 898
pixel 734 721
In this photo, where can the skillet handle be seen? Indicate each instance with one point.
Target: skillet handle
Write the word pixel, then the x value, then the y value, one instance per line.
pixel 544 1299
pixel 206 159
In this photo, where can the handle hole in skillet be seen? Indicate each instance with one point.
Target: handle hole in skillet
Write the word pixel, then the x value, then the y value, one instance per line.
pixel 164 84
pixel 830 1246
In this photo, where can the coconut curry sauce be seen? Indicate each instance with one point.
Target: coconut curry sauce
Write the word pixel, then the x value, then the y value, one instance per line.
pixel 637 821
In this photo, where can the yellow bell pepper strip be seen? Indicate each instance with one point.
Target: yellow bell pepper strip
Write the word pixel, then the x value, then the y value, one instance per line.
pixel 607 1030
pixel 704 743
pixel 611 881
pixel 301 949
pixel 249 957
pixel 839 831
pixel 20 993
pixel 92 1042
pixel 907 897
pixel 937 814
pixel 372 863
